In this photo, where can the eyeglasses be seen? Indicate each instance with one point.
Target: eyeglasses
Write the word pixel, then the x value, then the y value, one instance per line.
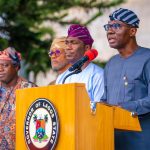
pixel 57 53
pixel 114 26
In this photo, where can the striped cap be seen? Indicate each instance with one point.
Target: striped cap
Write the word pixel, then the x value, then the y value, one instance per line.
pixel 126 16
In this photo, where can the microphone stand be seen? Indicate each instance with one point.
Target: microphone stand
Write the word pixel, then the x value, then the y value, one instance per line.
pixel 78 70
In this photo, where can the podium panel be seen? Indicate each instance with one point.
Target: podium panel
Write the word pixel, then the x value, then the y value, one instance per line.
pixel 79 129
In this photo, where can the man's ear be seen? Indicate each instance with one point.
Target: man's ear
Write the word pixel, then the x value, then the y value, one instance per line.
pixel 17 67
pixel 87 47
pixel 133 32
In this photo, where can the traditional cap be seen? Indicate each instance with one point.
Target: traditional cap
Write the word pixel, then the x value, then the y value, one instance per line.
pixel 81 32
pixel 59 43
pixel 11 54
pixel 126 16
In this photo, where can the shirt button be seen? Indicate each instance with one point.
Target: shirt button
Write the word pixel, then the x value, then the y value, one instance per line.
pixel 126 83
pixel 124 78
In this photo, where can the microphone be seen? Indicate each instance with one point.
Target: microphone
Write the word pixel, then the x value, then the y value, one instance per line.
pixel 88 56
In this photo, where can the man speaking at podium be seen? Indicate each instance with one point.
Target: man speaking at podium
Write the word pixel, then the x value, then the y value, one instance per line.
pixel 127 77
pixel 9 82
pixel 78 42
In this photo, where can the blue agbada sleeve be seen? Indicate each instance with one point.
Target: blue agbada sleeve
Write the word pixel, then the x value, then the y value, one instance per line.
pixel 142 105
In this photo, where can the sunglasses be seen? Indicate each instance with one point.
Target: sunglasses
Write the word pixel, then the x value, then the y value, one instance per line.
pixel 57 53
pixel 114 26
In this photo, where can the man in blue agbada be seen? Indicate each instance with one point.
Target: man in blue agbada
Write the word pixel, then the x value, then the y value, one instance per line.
pixel 127 78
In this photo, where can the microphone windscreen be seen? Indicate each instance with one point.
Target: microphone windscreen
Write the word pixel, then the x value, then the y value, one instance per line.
pixel 91 54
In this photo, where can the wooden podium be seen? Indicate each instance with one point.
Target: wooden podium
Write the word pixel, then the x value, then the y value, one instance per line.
pixel 79 129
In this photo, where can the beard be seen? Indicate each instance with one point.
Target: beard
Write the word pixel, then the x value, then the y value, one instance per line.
pixel 59 66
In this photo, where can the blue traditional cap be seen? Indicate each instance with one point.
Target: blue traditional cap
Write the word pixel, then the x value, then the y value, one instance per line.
pixel 126 16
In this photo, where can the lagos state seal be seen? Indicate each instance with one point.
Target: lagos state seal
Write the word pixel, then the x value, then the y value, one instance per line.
pixel 41 126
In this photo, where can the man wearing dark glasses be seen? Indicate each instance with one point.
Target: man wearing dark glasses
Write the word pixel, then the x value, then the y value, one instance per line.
pixel 57 54
pixel 127 77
